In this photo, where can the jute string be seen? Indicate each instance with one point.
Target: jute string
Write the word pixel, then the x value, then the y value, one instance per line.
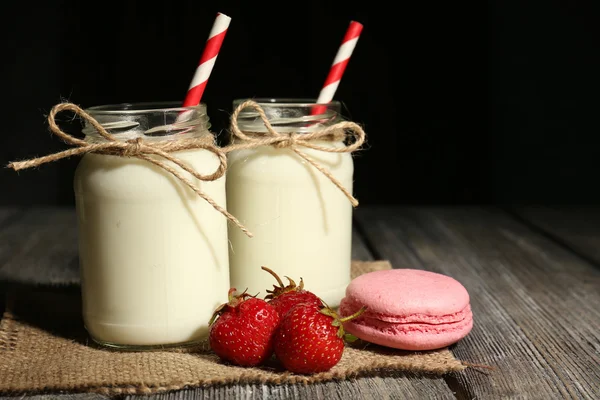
pixel 136 148
pixel 295 141
pixel 144 150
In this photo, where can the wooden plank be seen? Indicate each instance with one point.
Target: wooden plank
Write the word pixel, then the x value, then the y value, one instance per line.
pixel 536 305
pixel 576 227
pixel 359 249
pixel 42 249
pixel 7 215
pixel 377 388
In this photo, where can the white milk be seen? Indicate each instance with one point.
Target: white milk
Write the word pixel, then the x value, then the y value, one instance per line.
pixel 302 223
pixel 153 254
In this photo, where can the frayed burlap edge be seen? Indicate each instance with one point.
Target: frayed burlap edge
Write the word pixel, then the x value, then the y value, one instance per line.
pixel 381 361
pixel 383 368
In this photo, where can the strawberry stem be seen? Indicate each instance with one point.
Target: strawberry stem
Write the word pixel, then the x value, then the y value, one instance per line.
pixel 329 312
pixel 274 275
pixel 282 288
pixel 230 294
pixel 356 314
pixel 325 304
pixel 292 283
pixel 339 322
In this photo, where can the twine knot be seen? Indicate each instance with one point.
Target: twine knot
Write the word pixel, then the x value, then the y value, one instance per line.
pixel 294 141
pixel 152 152
pixel 134 148
pixel 288 140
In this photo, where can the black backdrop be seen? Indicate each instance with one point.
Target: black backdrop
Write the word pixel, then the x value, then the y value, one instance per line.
pixel 463 102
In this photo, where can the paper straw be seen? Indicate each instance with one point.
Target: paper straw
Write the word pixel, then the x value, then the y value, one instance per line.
pixel 207 61
pixel 338 67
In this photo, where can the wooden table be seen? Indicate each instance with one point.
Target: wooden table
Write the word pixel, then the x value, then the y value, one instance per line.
pixel 533 275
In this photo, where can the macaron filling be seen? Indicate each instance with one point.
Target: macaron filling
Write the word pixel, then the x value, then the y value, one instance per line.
pixel 350 306
pixel 443 325
pixel 404 324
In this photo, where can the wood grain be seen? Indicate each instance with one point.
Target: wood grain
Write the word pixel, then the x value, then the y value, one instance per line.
pixel 578 228
pixel 379 388
pixel 40 247
pixel 536 304
pixel 359 249
pixel 7 214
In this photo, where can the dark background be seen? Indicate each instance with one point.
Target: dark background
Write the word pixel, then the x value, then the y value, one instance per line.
pixel 463 102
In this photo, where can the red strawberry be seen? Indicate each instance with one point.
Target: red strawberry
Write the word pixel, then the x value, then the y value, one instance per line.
pixel 283 298
pixel 241 331
pixel 310 338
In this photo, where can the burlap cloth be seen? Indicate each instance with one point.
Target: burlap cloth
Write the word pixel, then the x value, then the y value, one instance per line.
pixel 44 349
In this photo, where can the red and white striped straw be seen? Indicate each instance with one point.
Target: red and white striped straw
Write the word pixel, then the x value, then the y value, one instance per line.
pixel 207 61
pixel 339 66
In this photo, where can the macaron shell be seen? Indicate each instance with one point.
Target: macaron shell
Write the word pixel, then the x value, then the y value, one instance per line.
pixel 406 291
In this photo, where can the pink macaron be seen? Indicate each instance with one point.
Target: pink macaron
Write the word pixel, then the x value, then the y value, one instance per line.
pixel 408 309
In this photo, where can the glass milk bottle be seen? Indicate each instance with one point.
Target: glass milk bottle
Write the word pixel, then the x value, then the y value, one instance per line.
pixel 302 222
pixel 153 254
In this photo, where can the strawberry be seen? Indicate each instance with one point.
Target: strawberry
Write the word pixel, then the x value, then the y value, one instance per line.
pixel 310 338
pixel 283 298
pixel 241 330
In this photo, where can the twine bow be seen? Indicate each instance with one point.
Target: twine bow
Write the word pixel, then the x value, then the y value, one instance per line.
pixel 294 141
pixel 135 148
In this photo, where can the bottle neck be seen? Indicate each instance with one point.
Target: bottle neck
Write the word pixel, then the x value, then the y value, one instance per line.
pixel 287 116
pixel 151 122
